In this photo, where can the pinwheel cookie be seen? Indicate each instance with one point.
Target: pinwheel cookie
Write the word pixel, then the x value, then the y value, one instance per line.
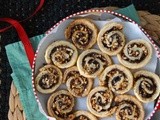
pixel 136 54
pixel 60 104
pixel 92 62
pixel 111 39
pixel 128 108
pixel 99 102
pixel 83 115
pixel 77 85
pixel 83 33
pixel 48 79
pixel 147 86
pixel 118 78
pixel 61 53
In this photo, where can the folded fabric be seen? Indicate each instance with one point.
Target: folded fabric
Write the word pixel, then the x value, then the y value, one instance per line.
pixel 22 78
pixel 130 12
pixel 22 72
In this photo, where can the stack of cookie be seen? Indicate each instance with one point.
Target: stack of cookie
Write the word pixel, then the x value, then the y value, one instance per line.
pixel 75 63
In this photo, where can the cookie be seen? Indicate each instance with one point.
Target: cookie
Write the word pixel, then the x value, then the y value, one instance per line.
pixel 129 108
pixel 111 39
pixel 118 78
pixel 92 62
pixel 60 104
pixel 136 54
pixel 83 115
pixel 83 33
pixel 147 86
pixel 61 53
pixel 99 102
pixel 48 79
pixel 77 85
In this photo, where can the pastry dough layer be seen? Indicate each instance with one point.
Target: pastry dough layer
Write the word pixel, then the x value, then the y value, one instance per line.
pixel 60 104
pixel 99 102
pixel 83 33
pixel 129 108
pixel 147 86
pixel 92 62
pixel 111 39
pixel 61 53
pixel 77 85
pixel 118 78
pixel 136 54
pixel 84 115
pixel 48 79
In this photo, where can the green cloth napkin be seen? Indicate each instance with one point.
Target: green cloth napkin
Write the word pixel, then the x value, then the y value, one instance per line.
pixel 22 77
pixel 22 72
pixel 130 12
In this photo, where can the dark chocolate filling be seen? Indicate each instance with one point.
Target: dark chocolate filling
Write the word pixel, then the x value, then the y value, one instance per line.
pixel 118 78
pixel 71 74
pixel 114 28
pixel 134 61
pixel 61 115
pixel 119 41
pixel 144 55
pixel 99 100
pixel 63 102
pixel 88 31
pixel 129 109
pixel 94 56
pixel 81 38
pixel 51 81
pixel 76 81
pixel 93 70
pixel 138 45
pixel 61 58
pixel 115 79
pixel 151 87
pixel 81 117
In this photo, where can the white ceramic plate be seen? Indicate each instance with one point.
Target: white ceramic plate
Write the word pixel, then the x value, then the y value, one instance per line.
pixel 131 31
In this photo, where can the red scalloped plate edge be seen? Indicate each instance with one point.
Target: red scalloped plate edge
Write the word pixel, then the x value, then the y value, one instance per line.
pixel 100 11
